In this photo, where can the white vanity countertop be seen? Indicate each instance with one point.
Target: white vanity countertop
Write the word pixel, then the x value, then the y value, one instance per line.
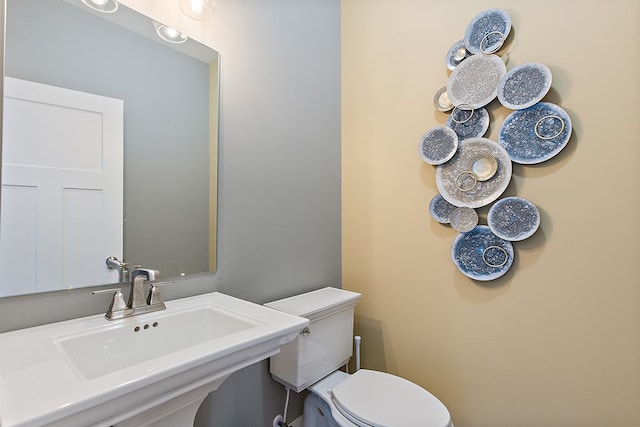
pixel 39 383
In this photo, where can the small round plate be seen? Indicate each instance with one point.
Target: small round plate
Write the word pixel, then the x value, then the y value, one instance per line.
pixel 481 255
pixel 513 218
pixel 438 145
pixel 441 100
pixel 456 54
pixel 483 166
pixel 524 85
pixel 463 219
pixel 487 31
pixel 440 209
pixel 469 123
pixel 474 83
pixel 535 134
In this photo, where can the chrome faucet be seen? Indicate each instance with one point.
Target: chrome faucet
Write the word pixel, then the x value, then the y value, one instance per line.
pixel 138 303
pixel 136 294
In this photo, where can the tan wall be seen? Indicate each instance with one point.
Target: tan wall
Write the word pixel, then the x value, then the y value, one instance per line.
pixel 555 342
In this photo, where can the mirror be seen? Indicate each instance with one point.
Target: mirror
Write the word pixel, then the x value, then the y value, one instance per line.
pixel 169 97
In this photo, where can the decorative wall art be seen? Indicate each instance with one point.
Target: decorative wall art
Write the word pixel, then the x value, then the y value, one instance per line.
pixel 473 171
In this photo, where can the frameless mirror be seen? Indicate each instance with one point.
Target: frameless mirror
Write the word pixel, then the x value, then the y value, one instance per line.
pixel 168 98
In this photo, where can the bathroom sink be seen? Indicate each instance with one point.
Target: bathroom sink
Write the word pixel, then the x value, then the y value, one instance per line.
pixel 107 349
pixel 152 369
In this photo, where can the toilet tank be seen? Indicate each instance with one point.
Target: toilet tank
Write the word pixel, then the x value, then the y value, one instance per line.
pixel 326 347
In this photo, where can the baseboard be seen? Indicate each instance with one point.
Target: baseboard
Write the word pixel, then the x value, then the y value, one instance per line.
pixel 296 423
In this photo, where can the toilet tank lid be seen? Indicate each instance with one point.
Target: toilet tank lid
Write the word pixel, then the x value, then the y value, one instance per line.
pixel 313 304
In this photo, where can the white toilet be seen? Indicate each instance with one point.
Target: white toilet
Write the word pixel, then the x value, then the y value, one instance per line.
pixel 336 399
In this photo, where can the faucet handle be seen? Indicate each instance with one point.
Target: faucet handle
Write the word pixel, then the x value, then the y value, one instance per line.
pixel 154 293
pixel 117 302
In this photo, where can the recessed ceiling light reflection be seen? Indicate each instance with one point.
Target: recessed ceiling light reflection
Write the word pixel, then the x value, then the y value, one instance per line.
pixel 105 6
pixel 200 10
pixel 169 34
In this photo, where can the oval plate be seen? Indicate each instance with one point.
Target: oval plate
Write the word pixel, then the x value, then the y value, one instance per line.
pixel 440 209
pixel 524 85
pixel 438 145
pixel 535 134
pixel 481 255
pixel 513 218
pixel 474 83
pixel 490 21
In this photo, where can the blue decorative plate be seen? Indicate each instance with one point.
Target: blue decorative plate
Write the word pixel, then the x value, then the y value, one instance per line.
pixel 469 123
pixel 461 186
pixel 513 218
pixel 535 134
pixel 481 255
pixel 440 209
pixel 438 145
pixel 474 83
pixel 524 85
pixel 456 54
pixel 487 31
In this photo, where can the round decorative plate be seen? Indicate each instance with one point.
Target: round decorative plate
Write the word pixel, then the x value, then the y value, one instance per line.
pixel 469 123
pixel 441 100
pixel 440 209
pixel 474 83
pixel 535 134
pixel 438 145
pixel 460 186
pixel 481 255
pixel 513 218
pixel 524 85
pixel 463 219
pixel 456 54
pixel 487 31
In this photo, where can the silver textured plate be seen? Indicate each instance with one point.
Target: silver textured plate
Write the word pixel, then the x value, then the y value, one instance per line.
pixel 487 31
pixel 438 145
pixel 469 123
pixel 474 83
pixel 463 219
pixel 440 209
pixel 456 54
pixel 455 180
pixel 524 85
pixel 535 134
pixel 441 100
pixel 481 255
pixel 513 218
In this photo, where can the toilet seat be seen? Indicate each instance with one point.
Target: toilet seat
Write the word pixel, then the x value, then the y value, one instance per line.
pixel 377 399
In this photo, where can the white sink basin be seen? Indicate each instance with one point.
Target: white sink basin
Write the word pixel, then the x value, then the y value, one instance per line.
pixel 127 372
pixel 107 348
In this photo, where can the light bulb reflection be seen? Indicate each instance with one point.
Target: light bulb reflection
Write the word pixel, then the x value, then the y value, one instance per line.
pixel 169 34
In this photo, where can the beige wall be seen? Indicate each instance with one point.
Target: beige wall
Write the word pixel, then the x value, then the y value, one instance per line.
pixel 555 342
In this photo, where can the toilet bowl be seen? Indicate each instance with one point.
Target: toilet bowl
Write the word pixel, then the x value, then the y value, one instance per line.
pixel 365 398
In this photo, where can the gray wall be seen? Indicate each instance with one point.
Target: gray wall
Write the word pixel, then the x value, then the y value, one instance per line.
pixel 279 184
